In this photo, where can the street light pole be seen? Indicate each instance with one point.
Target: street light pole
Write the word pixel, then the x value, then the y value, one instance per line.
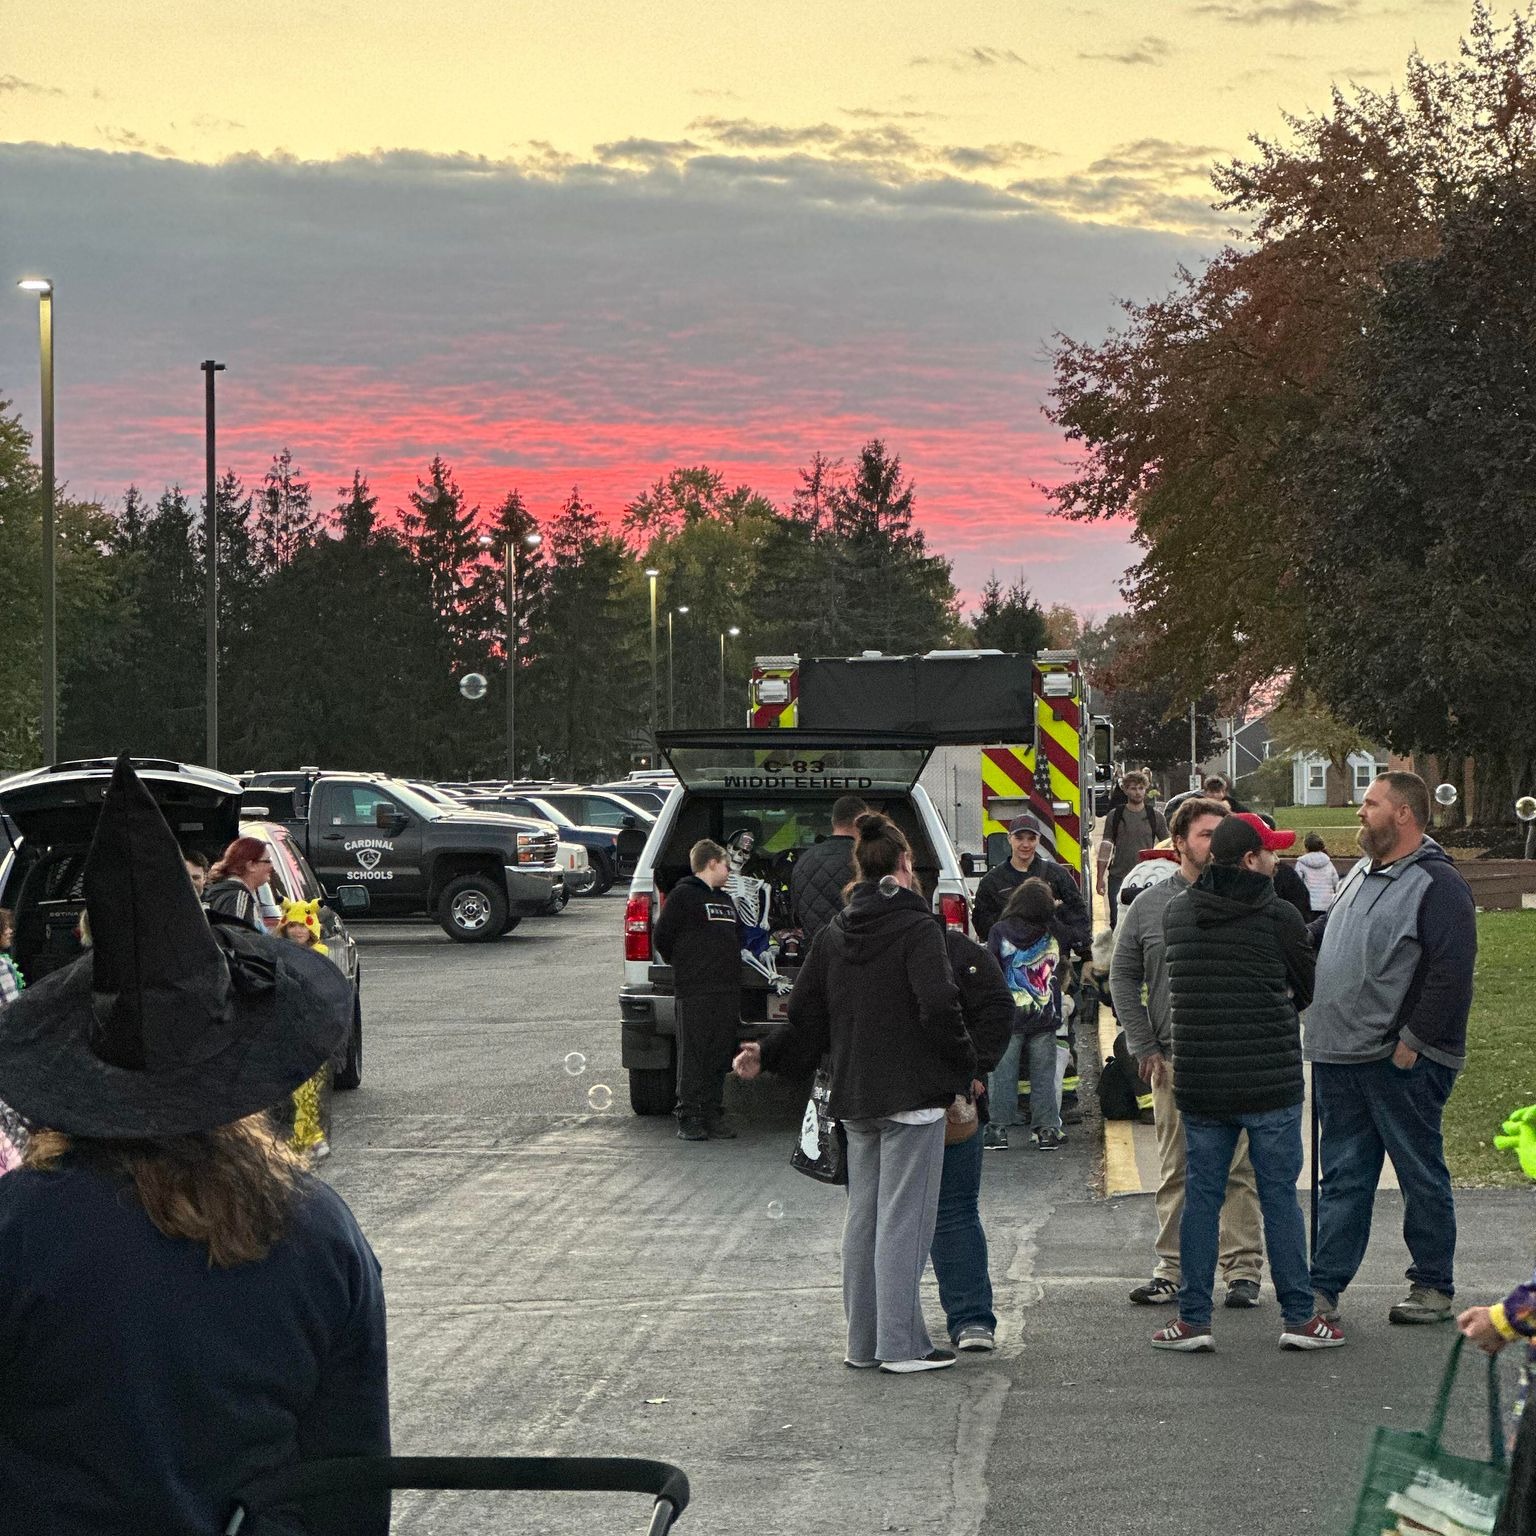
pixel 532 540
pixel 733 631
pixel 671 696
pixel 651 574
pixel 43 288
pixel 211 549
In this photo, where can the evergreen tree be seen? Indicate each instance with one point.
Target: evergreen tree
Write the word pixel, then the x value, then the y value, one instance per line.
pixel 357 513
pixel 441 532
pixel 1009 621
pixel 286 520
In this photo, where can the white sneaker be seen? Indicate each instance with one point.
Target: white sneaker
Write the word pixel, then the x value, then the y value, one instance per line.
pixel 934 1360
pixel 975 1338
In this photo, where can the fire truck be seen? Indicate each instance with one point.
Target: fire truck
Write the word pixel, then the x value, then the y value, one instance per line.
pixel 1014 735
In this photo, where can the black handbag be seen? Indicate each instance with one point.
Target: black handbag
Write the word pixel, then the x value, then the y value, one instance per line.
pixel 821 1145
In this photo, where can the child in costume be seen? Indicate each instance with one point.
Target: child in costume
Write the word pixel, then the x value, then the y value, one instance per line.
pixel 1022 943
pixel 1491 1328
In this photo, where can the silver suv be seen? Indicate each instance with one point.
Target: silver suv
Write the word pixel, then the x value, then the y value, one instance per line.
pixel 779 787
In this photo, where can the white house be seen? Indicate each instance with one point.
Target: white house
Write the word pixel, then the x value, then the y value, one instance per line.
pixel 1309 776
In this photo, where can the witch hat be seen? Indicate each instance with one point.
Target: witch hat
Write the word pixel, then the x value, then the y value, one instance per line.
pixel 169 1024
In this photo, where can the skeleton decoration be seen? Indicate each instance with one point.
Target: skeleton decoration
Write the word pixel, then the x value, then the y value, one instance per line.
pixel 753 899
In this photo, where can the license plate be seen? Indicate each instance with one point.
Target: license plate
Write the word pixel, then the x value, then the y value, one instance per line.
pixel 778 1007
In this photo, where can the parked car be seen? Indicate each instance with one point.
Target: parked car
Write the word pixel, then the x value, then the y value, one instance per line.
pixel 598 808
pixel 53 813
pixel 478 875
pixel 602 843
pixel 649 797
pixel 780 786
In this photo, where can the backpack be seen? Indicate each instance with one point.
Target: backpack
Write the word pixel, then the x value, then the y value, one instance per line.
pixel 1119 1084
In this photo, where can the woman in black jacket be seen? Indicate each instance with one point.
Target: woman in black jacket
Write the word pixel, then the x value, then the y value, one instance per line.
pixel 877 996
pixel 245 866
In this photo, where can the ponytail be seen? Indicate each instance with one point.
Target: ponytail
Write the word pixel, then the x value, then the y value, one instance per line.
pixel 878 847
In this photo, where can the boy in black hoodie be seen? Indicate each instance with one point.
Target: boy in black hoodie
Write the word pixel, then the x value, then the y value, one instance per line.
pixel 696 935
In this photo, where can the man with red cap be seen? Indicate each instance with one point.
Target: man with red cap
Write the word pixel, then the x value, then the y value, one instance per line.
pixel 1240 967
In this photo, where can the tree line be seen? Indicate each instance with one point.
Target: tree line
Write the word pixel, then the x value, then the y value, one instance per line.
pixel 343 632
pixel 1326 435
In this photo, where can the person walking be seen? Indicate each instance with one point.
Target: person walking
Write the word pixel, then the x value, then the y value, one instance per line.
pixel 1129 830
pixel 243 868
pixel 1026 861
pixel 183 1309
pixel 1024 947
pixel 1319 871
pixel 1239 967
pixel 877 997
pixel 1387 1035
pixel 822 873
pixel 1140 961
pixel 959 1247
pixel 697 935
pixel 196 862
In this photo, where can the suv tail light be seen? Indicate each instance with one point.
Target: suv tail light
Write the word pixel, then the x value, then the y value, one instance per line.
pixel 955 911
pixel 637 927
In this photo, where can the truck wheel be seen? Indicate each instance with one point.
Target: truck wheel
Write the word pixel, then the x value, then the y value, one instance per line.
pixel 473 909
pixel 510 924
pixel 602 876
pixel 350 1073
pixel 652 1090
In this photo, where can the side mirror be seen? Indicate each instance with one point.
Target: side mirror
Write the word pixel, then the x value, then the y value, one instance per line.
pixel 967 865
pixel 351 899
pixel 630 821
pixel 997 849
pixel 387 819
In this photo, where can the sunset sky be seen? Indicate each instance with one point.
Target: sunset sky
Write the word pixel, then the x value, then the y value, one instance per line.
pixel 578 244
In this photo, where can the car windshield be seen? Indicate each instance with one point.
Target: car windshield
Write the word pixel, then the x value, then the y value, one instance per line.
pixel 414 801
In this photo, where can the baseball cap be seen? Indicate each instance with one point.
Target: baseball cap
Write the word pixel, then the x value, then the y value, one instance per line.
pixel 1024 823
pixel 1243 834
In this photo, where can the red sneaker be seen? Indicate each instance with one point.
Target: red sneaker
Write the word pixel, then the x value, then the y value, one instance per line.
pixel 1320 1333
pixel 1183 1336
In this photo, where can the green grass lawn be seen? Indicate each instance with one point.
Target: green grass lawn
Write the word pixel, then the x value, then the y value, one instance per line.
pixel 1337 824
pixel 1501 1065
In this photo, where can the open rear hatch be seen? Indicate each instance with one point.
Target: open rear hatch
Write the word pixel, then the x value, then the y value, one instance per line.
pixel 61 804
pixel 797 762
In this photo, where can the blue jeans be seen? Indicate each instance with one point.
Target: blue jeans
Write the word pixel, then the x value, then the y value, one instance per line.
pixel 1044 1083
pixel 1365 1111
pixel 1274 1148
pixel 959 1248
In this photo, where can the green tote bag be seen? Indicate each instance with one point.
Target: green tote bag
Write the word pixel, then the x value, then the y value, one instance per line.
pixel 1412 1485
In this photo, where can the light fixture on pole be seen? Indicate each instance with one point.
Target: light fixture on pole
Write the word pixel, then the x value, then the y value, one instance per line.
pixel 671 701
pixel 733 631
pixel 43 288
pixel 651 573
pixel 531 541
pixel 211 555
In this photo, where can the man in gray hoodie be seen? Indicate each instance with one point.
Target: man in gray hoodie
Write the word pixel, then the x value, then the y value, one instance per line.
pixel 1387 1034
pixel 1140 964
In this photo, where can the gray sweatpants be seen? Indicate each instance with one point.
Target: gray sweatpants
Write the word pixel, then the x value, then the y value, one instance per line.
pixel 894 1171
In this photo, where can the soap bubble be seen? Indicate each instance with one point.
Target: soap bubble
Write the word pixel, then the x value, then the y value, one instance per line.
pixel 600 1096
pixel 1446 794
pixel 575 1063
pixel 473 685
pixel 776 1210
pixel 1525 808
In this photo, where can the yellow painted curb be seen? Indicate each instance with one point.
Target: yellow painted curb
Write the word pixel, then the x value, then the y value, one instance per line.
pixel 1122 1174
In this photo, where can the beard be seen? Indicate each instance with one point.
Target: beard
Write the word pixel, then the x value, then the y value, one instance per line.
pixel 1375 844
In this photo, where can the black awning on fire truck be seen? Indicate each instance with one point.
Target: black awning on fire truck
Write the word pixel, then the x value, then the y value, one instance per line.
pixel 977 696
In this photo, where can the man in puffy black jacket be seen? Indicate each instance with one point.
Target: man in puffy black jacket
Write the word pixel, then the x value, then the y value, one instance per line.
pixel 1240 965
pixel 696 934
pixel 822 872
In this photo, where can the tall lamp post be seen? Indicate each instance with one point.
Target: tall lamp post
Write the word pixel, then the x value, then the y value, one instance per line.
pixel 651 573
pixel 671 699
pixel 733 631
pixel 211 548
pixel 43 288
pixel 530 541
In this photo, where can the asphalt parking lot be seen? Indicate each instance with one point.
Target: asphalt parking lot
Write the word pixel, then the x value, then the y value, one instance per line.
pixel 564 1277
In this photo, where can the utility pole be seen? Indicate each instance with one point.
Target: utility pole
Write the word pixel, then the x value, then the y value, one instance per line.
pixel 43 288
pixel 211 549
pixel 1194 767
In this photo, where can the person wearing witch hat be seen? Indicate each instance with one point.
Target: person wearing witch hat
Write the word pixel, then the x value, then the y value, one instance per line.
pixel 182 1307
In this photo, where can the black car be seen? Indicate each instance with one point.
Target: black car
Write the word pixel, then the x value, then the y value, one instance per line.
pixel 53 812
